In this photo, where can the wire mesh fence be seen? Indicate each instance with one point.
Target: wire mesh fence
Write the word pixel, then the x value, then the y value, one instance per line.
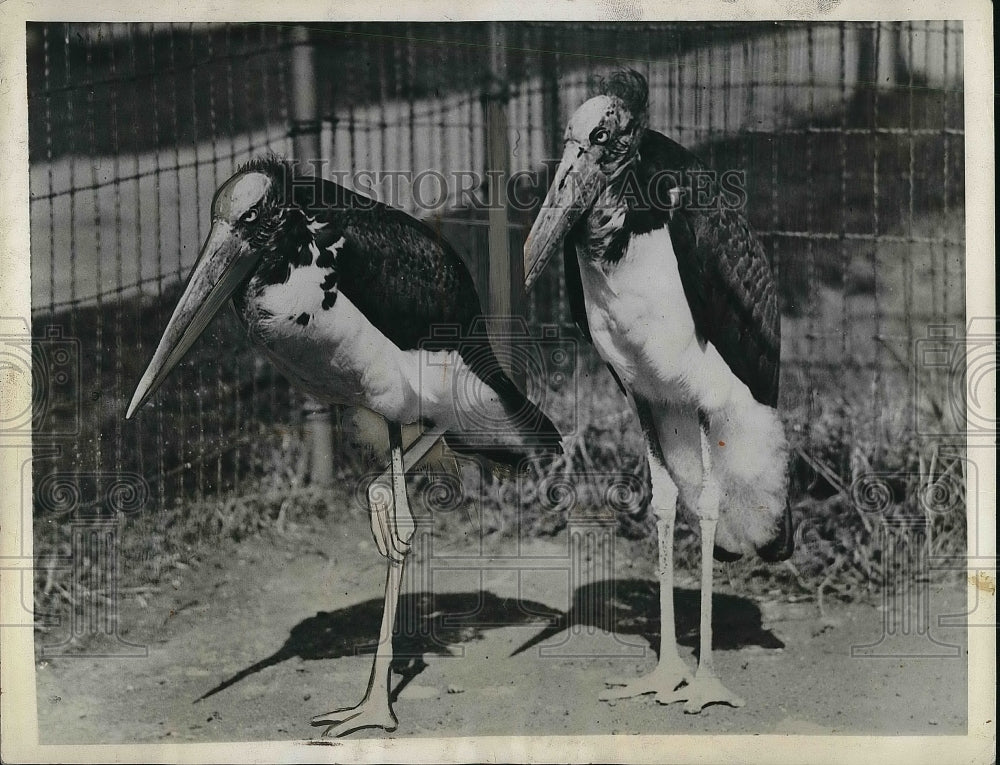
pixel 851 137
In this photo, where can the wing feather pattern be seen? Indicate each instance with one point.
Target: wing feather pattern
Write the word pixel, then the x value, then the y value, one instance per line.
pixel 724 271
pixel 409 282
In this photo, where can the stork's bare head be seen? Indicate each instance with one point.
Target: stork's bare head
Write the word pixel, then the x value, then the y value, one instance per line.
pixel 239 200
pixel 608 127
pixel 602 138
pixel 253 199
pixel 246 211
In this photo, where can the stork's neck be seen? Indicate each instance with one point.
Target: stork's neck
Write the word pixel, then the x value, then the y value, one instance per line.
pixel 285 244
pixel 602 230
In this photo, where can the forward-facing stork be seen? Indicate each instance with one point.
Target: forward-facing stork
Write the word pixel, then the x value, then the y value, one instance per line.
pixel 674 291
pixel 344 294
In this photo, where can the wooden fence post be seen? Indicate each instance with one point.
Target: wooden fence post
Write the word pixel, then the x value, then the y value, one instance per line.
pixel 506 281
pixel 551 118
pixel 305 132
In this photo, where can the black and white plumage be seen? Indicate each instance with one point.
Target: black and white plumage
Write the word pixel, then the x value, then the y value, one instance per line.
pixel 674 291
pixel 360 304
pixel 721 265
pixel 347 296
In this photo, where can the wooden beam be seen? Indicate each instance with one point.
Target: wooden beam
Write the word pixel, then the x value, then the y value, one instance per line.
pixel 505 273
pixel 305 130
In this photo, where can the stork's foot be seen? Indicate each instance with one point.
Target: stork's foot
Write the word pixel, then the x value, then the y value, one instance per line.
pixel 367 714
pixel 703 690
pixel 386 526
pixel 662 681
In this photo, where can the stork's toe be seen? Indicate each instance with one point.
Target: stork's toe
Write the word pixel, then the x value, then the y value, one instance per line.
pixel 662 681
pixel 384 526
pixel 367 714
pixel 703 690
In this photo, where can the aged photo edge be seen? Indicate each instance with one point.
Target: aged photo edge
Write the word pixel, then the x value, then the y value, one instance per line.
pixel 18 699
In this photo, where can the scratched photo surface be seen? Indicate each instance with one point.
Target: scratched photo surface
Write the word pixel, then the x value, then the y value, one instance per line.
pixel 309 466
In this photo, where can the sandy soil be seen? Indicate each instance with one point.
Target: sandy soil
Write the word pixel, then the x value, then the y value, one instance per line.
pixel 287 619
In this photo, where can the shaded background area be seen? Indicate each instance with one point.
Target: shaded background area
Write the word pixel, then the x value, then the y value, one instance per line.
pixel 851 136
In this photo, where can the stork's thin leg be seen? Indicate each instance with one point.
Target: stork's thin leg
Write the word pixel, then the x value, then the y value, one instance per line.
pixel 388 504
pixel 705 688
pixel 392 528
pixel 374 711
pixel 670 670
pixel 402 518
pixel 391 519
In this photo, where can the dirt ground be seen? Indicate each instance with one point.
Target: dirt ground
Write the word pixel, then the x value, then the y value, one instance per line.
pixel 284 622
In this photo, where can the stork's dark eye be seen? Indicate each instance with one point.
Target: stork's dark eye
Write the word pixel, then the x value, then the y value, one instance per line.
pixel 599 135
pixel 249 216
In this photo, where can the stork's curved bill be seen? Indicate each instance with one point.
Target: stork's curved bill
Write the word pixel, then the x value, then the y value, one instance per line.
pixel 221 268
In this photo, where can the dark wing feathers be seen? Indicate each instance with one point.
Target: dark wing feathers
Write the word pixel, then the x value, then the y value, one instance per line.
pixel 724 271
pixel 411 284
pixel 406 280
pixel 731 293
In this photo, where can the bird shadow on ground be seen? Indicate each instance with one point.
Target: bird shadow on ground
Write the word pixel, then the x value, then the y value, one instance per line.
pixel 431 623
pixel 632 607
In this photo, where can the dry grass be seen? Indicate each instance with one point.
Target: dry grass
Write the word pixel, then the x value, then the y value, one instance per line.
pixel 224 469
pixel 839 540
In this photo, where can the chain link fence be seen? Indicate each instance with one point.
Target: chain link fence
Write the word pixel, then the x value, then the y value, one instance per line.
pixel 851 136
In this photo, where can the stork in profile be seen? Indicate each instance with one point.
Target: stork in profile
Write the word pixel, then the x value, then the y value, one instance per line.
pixel 342 293
pixel 670 285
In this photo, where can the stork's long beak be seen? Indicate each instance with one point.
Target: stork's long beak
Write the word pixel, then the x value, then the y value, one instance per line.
pixel 576 185
pixel 217 274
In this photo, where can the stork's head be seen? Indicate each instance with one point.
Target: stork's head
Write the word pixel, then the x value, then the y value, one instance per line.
pixel 601 141
pixel 246 213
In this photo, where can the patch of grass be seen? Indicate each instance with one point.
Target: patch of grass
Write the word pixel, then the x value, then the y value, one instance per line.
pixel 154 544
pixel 852 478
pixel 224 451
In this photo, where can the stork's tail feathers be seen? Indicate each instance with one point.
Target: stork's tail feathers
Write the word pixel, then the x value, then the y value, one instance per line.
pixel 776 550
pixel 783 545
pixel 504 425
pixel 751 465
